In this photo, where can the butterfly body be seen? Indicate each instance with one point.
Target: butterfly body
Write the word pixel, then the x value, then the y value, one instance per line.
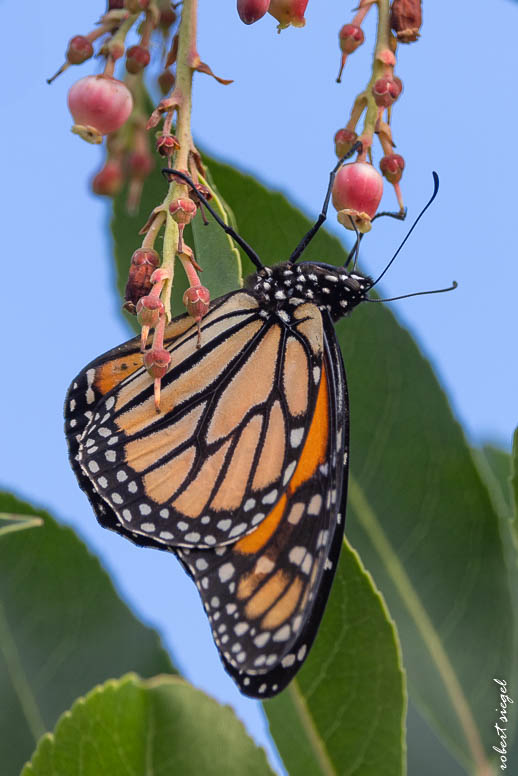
pixel 243 472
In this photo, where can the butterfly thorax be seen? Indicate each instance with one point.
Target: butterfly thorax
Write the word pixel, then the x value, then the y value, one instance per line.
pixel 330 288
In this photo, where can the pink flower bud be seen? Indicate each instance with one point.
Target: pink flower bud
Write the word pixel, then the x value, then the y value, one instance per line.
pixel 157 362
pixel 392 167
pixel 251 11
pixel 109 180
pixel 386 90
pixel 166 81
pixel 350 37
pixel 79 50
pixel 288 12
pixel 149 310
pixel 100 103
pixel 167 145
pixel 357 193
pixel 183 210
pixel 344 140
pixel 140 164
pixel 137 58
pixel 197 301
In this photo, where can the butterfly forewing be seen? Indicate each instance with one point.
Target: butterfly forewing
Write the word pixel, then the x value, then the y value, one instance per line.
pixel 265 594
pixel 234 416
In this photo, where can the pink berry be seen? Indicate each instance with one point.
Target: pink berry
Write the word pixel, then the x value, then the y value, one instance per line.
pixel 137 58
pixel 288 12
pixel 392 167
pixel 350 37
pixel 79 50
pixel 100 102
pixel 109 180
pixel 357 193
pixel 251 11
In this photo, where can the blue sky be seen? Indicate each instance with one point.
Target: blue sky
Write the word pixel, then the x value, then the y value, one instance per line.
pixel 277 122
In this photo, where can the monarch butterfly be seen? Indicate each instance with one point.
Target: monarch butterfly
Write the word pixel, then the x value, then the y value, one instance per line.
pixel 243 474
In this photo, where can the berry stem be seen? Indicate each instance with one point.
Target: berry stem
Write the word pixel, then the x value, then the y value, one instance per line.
pixel 383 65
pixel 117 43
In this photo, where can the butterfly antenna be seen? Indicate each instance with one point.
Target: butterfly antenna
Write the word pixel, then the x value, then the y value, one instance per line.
pixel 423 211
pixel 323 215
pixel 252 255
pixel 417 293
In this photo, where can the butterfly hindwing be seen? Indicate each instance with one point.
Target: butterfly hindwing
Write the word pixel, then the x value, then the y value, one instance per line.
pixel 265 594
pixel 234 416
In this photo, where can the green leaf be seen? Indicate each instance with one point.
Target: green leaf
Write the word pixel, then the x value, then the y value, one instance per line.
pixel 214 251
pixel 63 629
pixel 419 512
pixel 11 522
pixel 514 482
pixel 348 703
pixel 162 726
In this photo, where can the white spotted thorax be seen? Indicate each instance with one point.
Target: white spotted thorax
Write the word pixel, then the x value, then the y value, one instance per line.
pixel 330 288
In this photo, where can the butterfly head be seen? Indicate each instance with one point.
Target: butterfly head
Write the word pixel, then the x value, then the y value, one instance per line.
pixel 328 287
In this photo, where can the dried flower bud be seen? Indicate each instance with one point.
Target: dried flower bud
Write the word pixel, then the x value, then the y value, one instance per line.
pixel 356 194
pixel 204 191
pixel 157 362
pixel 136 6
pixel 115 5
pixel 386 90
pixel 197 301
pixel 350 37
pixel 99 104
pixel 109 180
pixel 149 309
pixel 406 19
pixel 167 18
pixel 137 58
pixel 79 50
pixel 183 210
pixel 288 12
pixel 166 81
pixel 392 167
pixel 166 144
pixel 251 11
pixel 344 141
pixel 143 263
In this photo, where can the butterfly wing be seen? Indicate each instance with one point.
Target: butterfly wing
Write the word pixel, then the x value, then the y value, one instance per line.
pixel 265 595
pixel 235 414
